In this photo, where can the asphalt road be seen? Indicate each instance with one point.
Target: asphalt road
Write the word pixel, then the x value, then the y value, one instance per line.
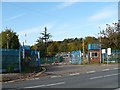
pixel 104 78
pixel 66 69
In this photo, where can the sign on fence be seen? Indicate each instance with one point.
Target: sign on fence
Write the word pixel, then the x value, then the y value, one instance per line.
pixel 108 51
pixel 103 51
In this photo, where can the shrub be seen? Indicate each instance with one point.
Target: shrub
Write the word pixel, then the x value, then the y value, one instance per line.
pixel 10 69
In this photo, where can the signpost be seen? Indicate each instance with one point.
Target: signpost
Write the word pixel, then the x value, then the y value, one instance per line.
pixel 38 58
pixel 103 52
pixel 108 53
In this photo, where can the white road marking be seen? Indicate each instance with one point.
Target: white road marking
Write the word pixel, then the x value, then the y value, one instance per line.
pixel 96 77
pixel 74 74
pixel 55 76
pixel 104 76
pixel 111 75
pixel 55 84
pixel 46 85
pixel 105 69
pixel 115 68
pixel 90 72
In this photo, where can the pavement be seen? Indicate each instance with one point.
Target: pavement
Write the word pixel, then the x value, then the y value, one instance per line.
pixel 32 76
pixel 96 76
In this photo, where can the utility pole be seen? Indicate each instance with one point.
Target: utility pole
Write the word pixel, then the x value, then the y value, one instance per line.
pixel 100 49
pixel 20 58
pixel 100 46
pixel 83 49
pixel 23 50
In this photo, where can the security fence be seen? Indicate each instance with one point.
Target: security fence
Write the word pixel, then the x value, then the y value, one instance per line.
pixel 114 57
pixel 51 60
pixel 31 58
pixel 10 59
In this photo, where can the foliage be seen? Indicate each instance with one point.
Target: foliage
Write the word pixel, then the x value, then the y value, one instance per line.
pixel 10 37
pixel 52 49
pixel 67 45
pixel 10 68
pixel 111 36
pixel 42 43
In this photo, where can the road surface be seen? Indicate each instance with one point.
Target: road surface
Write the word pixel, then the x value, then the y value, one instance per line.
pixel 104 78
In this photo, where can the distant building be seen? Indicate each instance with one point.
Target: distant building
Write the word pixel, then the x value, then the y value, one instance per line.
pixel 94 53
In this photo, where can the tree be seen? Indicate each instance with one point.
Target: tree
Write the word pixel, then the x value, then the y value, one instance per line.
pixel 52 49
pixel 9 39
pixel 111 36
pixel 63 47
pixel 89 40
pixel 42 43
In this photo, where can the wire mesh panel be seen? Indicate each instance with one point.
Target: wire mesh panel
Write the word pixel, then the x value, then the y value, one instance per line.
pixel 33 58
pixel 76 57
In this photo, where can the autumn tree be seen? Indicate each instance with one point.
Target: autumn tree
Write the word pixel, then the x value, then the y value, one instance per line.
pixel 111 36
pixel 53 49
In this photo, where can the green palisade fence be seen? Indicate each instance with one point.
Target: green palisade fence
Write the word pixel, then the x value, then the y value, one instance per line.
pixel 10 59
pixel 114 57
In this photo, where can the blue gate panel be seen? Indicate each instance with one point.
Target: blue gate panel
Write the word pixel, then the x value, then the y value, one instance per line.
pixel 76 57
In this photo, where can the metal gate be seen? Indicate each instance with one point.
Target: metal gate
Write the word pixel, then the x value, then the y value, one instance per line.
pixel 76 57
